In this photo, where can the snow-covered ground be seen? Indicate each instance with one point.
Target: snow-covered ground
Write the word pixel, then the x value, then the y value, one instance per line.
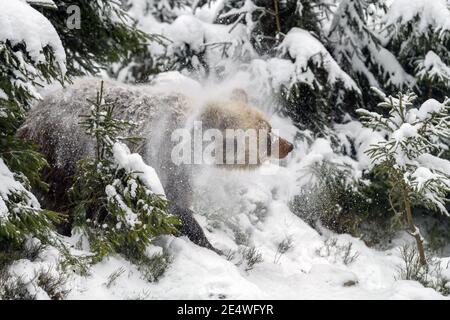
pixel 240 210
pixel 306 271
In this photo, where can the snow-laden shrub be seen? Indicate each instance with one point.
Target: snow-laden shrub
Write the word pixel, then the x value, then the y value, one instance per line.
pixel 34 270
pixel 284 246
pixel 20 212
pixel 153 266
pixel 345 204
pixel 250 256
pixel 415 137
pixel 118 200
pixel 336 251
pixel 332 201
pixel 430 275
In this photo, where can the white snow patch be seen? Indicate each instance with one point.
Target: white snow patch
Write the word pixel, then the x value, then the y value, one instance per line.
pixel 303 47
pixel 33 29
pixel 435 14
pixel 133 162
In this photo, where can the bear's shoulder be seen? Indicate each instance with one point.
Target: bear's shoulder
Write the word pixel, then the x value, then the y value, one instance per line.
pixel 53 123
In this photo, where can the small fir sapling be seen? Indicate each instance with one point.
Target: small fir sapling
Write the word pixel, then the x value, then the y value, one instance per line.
pixel 410 155
pixel 115 195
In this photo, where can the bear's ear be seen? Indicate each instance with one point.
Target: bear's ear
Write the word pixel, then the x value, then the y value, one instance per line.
pixel 240 95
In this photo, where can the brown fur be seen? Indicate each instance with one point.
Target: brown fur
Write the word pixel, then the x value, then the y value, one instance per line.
pixel 238 114
pixel 54 125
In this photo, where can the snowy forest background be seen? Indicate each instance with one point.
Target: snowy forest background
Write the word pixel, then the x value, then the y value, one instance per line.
pixel 359 210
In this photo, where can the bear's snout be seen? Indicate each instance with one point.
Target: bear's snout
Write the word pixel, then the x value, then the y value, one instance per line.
pixel 290 147
pixel 285 148
pixel 278 148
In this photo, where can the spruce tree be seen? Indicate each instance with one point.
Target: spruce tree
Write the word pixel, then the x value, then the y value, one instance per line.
pixel 418 33
pixel 105 34
pixel 359 50
pixel 24 66
pixel 161 54
pixel 114 197
pixel 317 89
pixel 269 20
pixel 410 155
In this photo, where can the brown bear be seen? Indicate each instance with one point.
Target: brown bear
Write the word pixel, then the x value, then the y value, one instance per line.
pixel 53 124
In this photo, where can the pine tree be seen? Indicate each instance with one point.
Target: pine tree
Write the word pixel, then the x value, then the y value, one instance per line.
pixel 26 64
pixel 268 20
pixel 161 54
pixel 318 88
pixel 310 87
pixel 23 67
pixel 105 34
pixel 410 155
pixel 113 198
pixel 290 35
pixel 418 33
pixel 164 10
pixel 358 49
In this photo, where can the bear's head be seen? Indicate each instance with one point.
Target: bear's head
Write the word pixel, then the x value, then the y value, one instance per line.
pixel 246 136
